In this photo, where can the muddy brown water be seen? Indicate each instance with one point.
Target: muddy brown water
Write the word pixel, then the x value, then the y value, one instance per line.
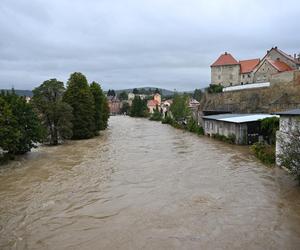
pixel 144 185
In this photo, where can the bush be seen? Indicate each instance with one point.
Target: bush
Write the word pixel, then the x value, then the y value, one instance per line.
pixel 229 139
pixel 264 152
pixel 269 126
pixel 214 88
pixel 167 120
pixel 193 127
pixel 156 116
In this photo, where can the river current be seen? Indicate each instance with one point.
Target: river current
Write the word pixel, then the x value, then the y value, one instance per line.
pixel 145 185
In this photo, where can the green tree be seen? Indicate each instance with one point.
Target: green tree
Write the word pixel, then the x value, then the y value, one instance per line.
pixel 197 95
pixel 105 114
pixel 55 114
pixel 138 107
pixel 78 95
pixel 179 107
pixel 21 123
pixel 9 133
pixel 157 91
pixel 135 91
pixel 111 92
pixel 125 108
pixel 123 96
pixel 99 99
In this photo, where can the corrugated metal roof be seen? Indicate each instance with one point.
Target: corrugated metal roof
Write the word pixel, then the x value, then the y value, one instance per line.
pixel 290 112
pixel 238 118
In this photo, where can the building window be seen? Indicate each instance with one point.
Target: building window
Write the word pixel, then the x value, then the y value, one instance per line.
pixel 249 75
pixel 219 69
pixel 219 77
pixel 230 76
pixel 230 84
pixel 243 76
pixel 242 83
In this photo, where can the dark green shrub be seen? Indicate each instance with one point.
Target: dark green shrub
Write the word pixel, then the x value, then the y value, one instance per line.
pixel 229 139
pixel 214 88
pixel 264 152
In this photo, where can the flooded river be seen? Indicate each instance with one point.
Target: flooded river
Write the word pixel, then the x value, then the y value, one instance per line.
pixel 144 185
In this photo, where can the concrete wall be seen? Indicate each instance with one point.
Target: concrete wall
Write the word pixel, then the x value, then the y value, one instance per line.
pixel 228 75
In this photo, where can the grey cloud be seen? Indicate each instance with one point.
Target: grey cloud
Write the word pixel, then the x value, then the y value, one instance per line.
pixel 123 43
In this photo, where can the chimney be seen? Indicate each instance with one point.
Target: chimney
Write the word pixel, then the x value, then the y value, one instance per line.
pixel 275 47
pixel 225 53
pixel 295 56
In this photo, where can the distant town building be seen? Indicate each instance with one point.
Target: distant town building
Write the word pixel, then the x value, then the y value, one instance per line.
pixel 114 105
pixel 131 96
pixel 227 71
pixel 289 122
pixel 155 102
pixel 245 128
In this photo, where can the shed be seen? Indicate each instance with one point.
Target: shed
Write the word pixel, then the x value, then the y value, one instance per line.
pixel 244 127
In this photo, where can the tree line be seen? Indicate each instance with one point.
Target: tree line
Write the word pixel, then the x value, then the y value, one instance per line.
pixel 54 114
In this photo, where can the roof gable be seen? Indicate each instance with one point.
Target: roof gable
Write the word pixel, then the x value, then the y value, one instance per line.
pixel 225 59
pixel 279 65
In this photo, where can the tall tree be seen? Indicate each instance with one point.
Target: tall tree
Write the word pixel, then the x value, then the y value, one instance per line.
pixel 179 107
pixel 99 99
pixel 105 114
pixel 123 96
pixel 197 95
pixel 55 114
pixel 156 91
pixel 78 95
pixel 135 91
pixel 111 92
pixel 9 133
pixel 22 122
pixel 138 107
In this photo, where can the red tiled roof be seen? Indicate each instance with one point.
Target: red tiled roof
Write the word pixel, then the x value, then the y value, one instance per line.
pixel 152 103
pixel 248 65
pixel 279 65
pixel 225 59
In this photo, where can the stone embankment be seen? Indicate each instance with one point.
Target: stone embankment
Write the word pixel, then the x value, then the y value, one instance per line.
pixel 283 94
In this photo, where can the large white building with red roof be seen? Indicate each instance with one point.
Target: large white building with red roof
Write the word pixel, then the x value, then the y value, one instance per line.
pixel 227 71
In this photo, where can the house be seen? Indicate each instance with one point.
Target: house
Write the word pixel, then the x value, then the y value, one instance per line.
pixel 227 71
pixel 274 62
pixel 289 122
pixel 155 102
pixel 130 96
pixel 114 105
pixel 152 105
pixel 245 128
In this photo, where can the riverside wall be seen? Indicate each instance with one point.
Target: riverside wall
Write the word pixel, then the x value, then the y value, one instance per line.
pixel 283 94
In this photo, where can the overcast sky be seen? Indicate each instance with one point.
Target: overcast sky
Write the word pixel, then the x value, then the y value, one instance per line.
pixel 119 43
